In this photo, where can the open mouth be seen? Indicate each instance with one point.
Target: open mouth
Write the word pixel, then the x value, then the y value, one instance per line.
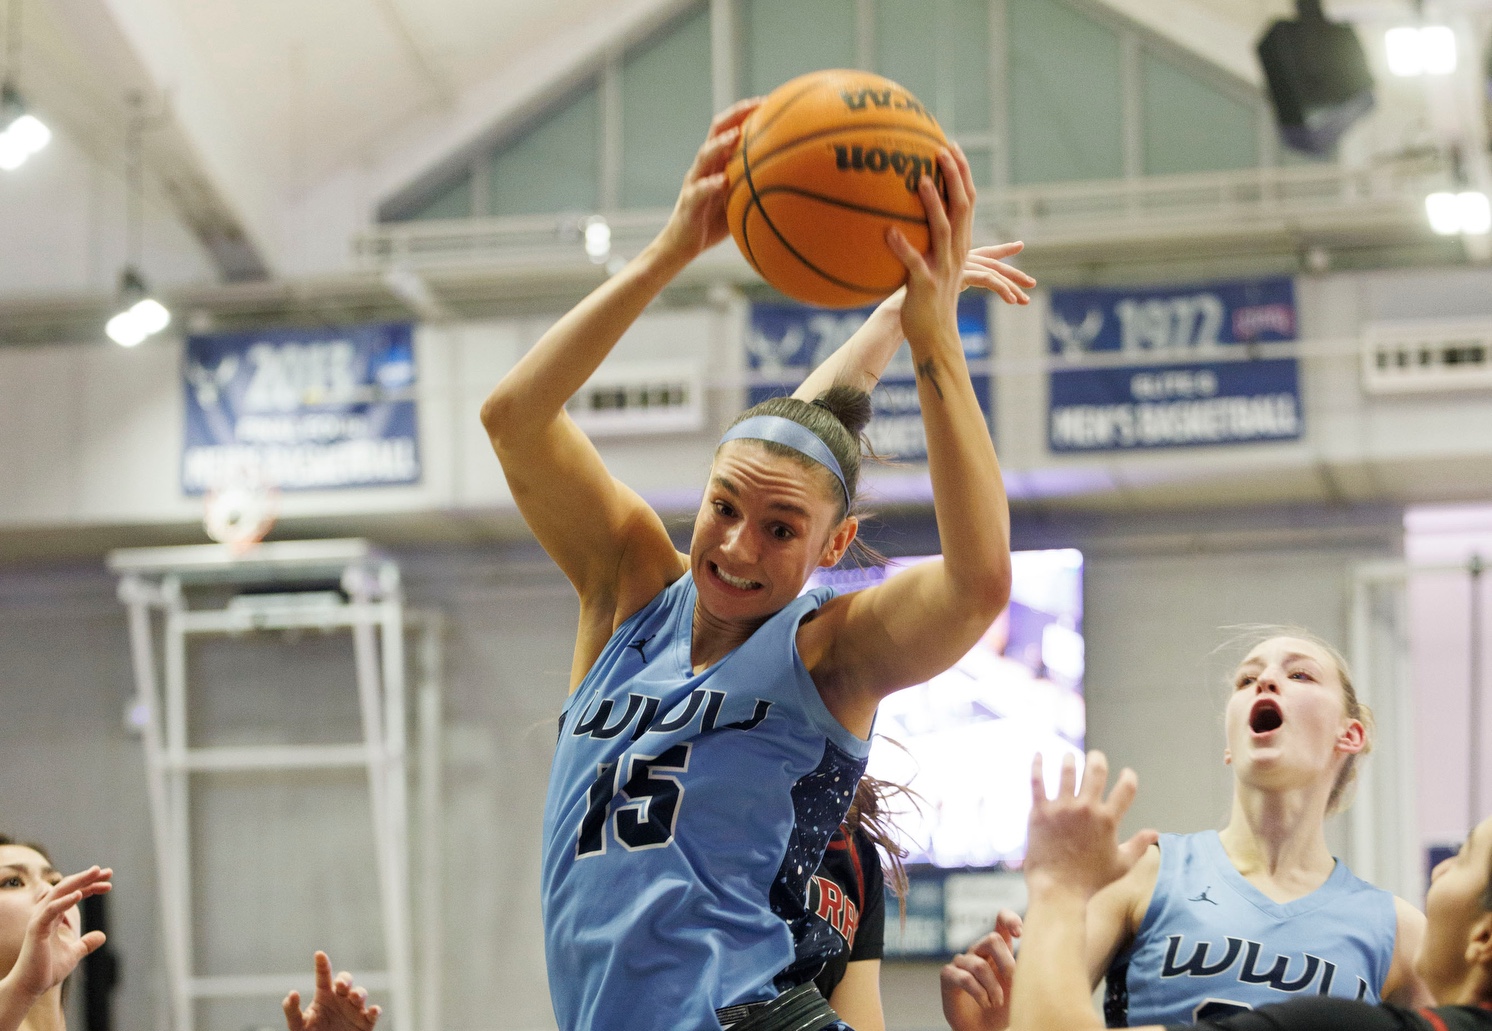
pixel 1265 716
pixel 739 583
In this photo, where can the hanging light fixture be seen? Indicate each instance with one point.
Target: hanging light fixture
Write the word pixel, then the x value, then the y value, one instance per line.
pixel 140 315
pixel 22 134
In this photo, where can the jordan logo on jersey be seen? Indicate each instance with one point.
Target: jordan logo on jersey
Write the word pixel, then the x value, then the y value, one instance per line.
pixel 640 644
pixel 1203 897
pixel 1276 976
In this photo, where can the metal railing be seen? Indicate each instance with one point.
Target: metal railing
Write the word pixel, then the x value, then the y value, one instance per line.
pixel 1377 200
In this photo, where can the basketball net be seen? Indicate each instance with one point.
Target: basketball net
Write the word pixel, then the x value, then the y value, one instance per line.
pixel 241 510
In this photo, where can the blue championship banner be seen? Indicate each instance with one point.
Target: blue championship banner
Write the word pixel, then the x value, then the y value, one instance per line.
pixel 1225 381
pixel 1154 406
pixel 1170 322
pixel 301 409
pixel 786 341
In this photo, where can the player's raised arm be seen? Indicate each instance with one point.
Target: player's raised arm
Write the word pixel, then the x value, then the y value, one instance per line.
pixel 593 527
pixel 921 621
pixel 861 360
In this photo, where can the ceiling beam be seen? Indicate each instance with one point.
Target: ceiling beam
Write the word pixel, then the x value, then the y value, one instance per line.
pixel 219 190
pixel 484 113
pixel 1227 45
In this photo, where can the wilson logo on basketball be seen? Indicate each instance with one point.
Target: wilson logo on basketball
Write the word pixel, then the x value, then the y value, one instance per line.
pixel 911 167
pixel 885 100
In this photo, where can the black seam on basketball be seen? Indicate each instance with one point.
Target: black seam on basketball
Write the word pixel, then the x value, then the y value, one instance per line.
pixel 746 237
pixel 789 102
pixel 756 202
pixel 746 139
pixel 790 144
pixel 871 291
pixel 841 204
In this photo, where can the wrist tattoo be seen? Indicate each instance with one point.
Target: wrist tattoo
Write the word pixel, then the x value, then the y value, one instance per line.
pixel 928 370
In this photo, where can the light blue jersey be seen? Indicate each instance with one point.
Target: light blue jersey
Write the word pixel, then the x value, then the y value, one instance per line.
pixel 1211 943
pixel 686 815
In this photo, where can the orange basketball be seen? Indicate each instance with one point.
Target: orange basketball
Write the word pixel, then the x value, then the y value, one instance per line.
pixel 826 164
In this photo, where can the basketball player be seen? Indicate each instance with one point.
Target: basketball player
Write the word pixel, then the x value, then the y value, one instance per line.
pixel 718 722
pixel 1074 852
pixel 1217 922
pixel 41 939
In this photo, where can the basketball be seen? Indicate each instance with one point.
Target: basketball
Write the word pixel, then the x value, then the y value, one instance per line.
pixel 827 163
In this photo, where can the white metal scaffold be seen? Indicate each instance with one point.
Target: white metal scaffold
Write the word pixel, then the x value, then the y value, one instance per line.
pixel 152 586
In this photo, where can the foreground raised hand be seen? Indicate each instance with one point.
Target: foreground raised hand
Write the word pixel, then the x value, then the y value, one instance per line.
pixel 984 268
pixel 338 1004
pixel 976 983
pixel 1072 851
pixel 698 219
pixel 53 947
pixel 1074 838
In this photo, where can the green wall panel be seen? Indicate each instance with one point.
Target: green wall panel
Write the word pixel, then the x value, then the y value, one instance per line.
pixel 782 39
pixel 554 166
pixel 1065 100
pixel 938 49
pixel 666 109
pixel 1191 125
pixel 452 202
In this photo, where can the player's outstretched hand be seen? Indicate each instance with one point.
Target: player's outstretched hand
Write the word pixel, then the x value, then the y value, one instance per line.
pixel 935 279
pixel 976 984
pixel 983 268
pixel 1073 841
pixel 338 1004
pixel 53 947
pixel 698 220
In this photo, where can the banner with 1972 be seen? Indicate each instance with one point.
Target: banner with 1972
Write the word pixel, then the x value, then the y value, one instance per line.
pixel 301 409
pixel 1166 367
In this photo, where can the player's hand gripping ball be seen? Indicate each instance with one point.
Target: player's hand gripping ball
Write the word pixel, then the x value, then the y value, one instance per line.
pixel 826 165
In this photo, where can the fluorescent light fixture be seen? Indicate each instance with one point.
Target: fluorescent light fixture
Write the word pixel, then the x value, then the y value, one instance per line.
pixel 597 239
pixel 1476 213
pixel 142 317
pixel 1467 212
pixel 21 134
pixel 1421 50
pixel 1437 44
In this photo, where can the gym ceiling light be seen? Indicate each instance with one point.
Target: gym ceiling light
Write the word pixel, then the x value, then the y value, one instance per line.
pixel 140 315
pixel 22 134
pixel 1421 50
pixel 1466 213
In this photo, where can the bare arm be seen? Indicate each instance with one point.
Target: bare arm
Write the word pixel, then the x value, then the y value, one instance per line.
pixel 864 357
pixel 919 622
pixel 857 996
pixel 1073 853
pixel 976 984
pixel 600 533
pixel 1403 986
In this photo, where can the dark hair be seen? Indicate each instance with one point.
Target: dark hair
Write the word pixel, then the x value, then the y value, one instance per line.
pixel 6 839
pixel 838 416
pixel 868 813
